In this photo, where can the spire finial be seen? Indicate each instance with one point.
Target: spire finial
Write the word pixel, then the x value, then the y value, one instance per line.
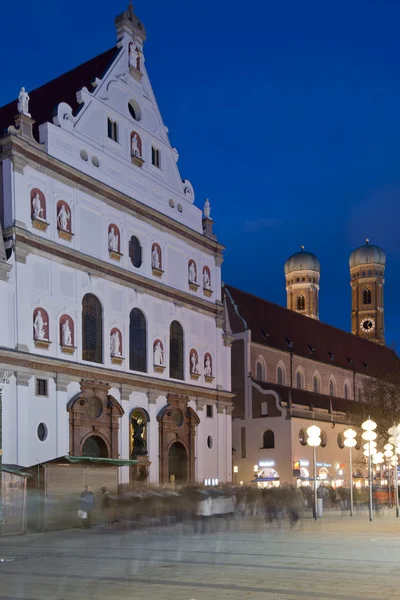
pixel 302 248
pixel 367 241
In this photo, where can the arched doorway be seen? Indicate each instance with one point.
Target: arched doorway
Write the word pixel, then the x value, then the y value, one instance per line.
pixel 95 446
pixel 177 463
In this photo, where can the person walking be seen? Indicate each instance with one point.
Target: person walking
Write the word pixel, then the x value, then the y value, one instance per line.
pixel 106 507
pixel 86 507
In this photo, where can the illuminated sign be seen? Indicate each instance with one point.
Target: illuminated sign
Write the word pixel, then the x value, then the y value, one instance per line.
pixel 266 463
pixel 301 463
pixel 324 465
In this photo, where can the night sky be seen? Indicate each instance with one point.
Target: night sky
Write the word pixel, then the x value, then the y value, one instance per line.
pixel 285 114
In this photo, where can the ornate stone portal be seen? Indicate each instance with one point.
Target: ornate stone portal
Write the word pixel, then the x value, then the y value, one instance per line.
pixel 177 433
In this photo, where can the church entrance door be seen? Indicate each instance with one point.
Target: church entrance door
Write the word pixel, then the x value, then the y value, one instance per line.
pixel 178 464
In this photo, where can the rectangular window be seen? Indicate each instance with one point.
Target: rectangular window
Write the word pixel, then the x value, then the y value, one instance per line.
pixel 243 442
pixel 264 408
pixel 41 387
pixel 156 157
pixel 209 410
pixel 112 129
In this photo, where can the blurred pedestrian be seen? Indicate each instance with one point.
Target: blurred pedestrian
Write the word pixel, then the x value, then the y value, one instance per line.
pixel 106 507
pixel 86 507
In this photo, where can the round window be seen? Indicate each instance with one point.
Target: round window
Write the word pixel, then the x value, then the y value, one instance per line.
pixel 324 439
pixel 94 408
pixel 210 442
pixel 340 440
pixel 42 432
pixel 303 437
pixel 177 417
pixel 134 110
pixel 180 209
pixel 171 203
pixel 84 155
pixel 95 161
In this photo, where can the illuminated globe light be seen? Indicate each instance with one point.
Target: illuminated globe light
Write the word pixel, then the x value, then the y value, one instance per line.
pixel 314 441
pixel 368 452
pixel 369 425
pixel 313 431
pixel 369 444
pixel 350 442
pixel 394 431
pixel 349 433
pixel 369 435
pixel 388 453
pixel 378 458
pixel 388 447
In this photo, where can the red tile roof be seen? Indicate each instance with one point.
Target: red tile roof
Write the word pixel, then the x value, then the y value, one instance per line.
pixel 44 99
pixel 274 326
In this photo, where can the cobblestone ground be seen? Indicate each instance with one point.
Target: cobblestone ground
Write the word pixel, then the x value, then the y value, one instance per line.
pixel 333 559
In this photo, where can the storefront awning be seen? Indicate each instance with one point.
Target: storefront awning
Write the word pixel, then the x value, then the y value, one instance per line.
pixel 15 470
pixel 266 479
pixel 116 462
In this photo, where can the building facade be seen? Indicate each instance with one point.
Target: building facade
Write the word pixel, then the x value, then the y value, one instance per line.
pixel 112 324
pixel 290 371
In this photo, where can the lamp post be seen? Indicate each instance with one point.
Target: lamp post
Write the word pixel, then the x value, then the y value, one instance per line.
pixel 255 471
pixel 378 459
pixel 314 440
pixel 394 439
pixel 235 472
pixel 3 380
pixel 369 435
pixel 350 442
pixel 388 455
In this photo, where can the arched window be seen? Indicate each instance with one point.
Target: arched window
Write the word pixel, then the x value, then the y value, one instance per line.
pixel 299 380
pixel 316 386
pixel 137 341
pixel 135 252
pixel 331 387
pixel 260 371
pixel 340 440
pixel 268 439
pixel 301 303
pixel 367 296
pixel 92 329
pixel 280 376
pixel 346 390
pixel 176 351
pixel 324 439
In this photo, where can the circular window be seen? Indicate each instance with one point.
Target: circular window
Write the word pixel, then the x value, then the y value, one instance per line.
pixel 84 155
pixel 134 110
pixel 210 442
pixel 42 432
pixel 171 203
pixel 177 418
pixel 180 209
pixel 303 437
pixel 340 440
pixel 94 408
pixel 324 439
pixel 95 161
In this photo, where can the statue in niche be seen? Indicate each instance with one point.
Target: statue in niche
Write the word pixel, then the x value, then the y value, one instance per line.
pixel 207 367
pixel 134 54
pixel 115 344
pixel 66 334
pixel 192 272
pixel 138 431
pixel 23 103
pixel 63 218
pixel 207 209
pixel 158 354
pixel 135 151
pixel 113 240
pixel 194 363
pixel 38 211
pixel 155 258
pixel 206 280
pixel 39 326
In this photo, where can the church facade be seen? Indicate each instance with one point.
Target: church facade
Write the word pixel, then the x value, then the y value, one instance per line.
pixel 112 325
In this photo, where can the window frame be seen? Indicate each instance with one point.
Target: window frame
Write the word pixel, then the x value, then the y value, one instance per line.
pixel 177 371
pixel 138 359
pixel 209 411
pixel 45 382
pixel 271 444
pixel 135 246
pixel 112 130
pixel 156 157
pixel 92 354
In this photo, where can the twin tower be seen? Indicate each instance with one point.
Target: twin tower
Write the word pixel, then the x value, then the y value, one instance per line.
pixel 367 272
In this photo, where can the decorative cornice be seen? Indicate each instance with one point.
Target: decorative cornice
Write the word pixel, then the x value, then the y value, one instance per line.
pixel 21 254
pixel 23 378
pixel 154 395
pixel 62 383
pixel 126 391
pixel 5 268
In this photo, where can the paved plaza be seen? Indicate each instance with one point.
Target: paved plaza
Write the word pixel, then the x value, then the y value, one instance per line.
pixel 333 559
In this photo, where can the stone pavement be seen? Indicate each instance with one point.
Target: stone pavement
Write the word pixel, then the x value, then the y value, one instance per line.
pixel 333 559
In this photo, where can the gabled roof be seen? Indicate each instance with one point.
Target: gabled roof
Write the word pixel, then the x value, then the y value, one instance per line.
pixel 44 99
pixel 276 327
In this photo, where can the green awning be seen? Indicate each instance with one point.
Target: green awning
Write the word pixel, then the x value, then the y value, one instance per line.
pixel 15 470
pixel 116 462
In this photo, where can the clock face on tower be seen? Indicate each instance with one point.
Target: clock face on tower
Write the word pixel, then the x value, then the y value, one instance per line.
pixel 367 324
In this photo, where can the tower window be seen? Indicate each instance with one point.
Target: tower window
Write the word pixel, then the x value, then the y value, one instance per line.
pixel 156 157
pixel 268 439
pixel 367 296
pixel 112 130
pixel 299 380
pixel 279 376
pixel 301 303
pixel 316 384
pixel 135 252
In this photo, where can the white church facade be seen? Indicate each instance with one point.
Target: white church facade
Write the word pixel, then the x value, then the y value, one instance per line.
pixel 112 325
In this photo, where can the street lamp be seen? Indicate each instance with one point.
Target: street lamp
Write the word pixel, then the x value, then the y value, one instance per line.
pixel 255 470
pixel 388 455
pixel 235 471
pixel 378 459
pixel 394 439
pixel 369 435
pixel 5 378
pixel 350 442
pixel 314 440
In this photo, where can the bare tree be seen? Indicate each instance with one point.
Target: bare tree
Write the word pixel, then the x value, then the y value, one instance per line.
pixel 380 399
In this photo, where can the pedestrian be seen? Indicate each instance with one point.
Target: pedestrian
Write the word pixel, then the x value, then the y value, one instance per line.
pixel 86 507
pixel 106 507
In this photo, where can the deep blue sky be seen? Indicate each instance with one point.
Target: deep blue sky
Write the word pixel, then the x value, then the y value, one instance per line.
pixel 286 114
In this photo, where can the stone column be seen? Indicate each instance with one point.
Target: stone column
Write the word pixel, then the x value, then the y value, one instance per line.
pixel 153 436
pixel 23 434
pixel 124 441
pixel 221 441
pixel 62 416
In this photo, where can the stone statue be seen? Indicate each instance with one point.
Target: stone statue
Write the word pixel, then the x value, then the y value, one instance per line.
pixel 139 443
pixel 207 209
pixel 206 280
pixel 115 344
pixel 63 218
pixel 23 103
pixel 192 273
pixel 66 334
pixel 113 240
pixel 135 146
pixel 38 211
pixel 158 354
pixel 207 367
pixel 155 258
pixel 39 326
pixel 194 363
pixel 134 54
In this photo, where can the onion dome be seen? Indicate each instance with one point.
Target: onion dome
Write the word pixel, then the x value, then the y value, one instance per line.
pixel 302 261
pixel 367 254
